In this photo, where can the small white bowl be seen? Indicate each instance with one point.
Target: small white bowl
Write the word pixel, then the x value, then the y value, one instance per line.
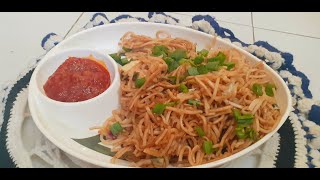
pixel 76 115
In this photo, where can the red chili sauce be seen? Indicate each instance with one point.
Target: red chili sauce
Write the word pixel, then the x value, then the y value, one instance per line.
pixel 77 79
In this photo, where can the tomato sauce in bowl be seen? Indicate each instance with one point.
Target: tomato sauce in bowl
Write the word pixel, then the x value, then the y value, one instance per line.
pixel 77 79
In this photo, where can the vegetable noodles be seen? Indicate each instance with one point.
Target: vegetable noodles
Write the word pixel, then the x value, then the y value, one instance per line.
pixel 182 107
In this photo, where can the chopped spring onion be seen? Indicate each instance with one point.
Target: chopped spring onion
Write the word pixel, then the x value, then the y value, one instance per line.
pixel 229 65
pixel 172 79
pixel 140 82
pixel 178 54
pixel 213 66
pixel 236 113
pixel 207 147
pixel 160 50
pixel 183 88
pixel 159 108
pixel 135 76
pixel 252 134
pixel 168 60
pixel 219 58
pixel 193 102
pixel 240 132
pixel 198 60
pixel 203 52
pixel 257 89
pixel 269 91
pixel 192 63
pixel 193 71
pixel 202 69
pixel 172 64
pixel 116 128
pixel 181 61
pixel 199 131
pixel 116 57
pixel 124 61
pixel 244 132
pixel 242 129
pixel 244 119
pixel 126 49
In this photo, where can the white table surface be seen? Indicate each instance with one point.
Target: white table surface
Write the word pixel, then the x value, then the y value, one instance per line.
pixel 297 33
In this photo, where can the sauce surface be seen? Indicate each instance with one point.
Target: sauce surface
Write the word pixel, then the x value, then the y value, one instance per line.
pixel 77 79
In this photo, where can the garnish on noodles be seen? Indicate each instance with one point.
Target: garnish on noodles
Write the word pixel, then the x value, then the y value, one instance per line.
pixel 184 107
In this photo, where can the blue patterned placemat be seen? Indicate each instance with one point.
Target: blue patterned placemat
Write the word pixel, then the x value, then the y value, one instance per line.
pixel 299 136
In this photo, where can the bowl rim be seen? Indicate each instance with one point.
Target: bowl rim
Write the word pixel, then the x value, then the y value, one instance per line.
pixel 234 156
pixel 68 52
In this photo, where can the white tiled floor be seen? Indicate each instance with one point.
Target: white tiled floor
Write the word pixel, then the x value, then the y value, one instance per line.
pixel 21 35
pixel 301 23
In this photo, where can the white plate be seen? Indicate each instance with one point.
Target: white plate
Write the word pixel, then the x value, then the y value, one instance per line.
pixel 105 39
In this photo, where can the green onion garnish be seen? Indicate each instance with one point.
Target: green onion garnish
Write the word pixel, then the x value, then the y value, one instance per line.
pixel 236 113
pixel 242 129
pixel 124 61
pixel 178 54
pixel 199 131
pixel 244 132
pixel 198 60
pixel 207 147
pixel 193 71
pixel 159 108
pixel 116 128
pixel 181 61
pixel 269 91
pixel 173 66
pixel 183 88
pixel 160 50
pixel 126 49
pixel 140 82
pixel 244 119
pixel 202 69
pixel 116 57
pixel 229 65
pixel 213 66
pixel 253 134
pixel 193 102
pixel 219 58
pixel 257 89
pixel 203 52
pixel 240 132
pixel 168 60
